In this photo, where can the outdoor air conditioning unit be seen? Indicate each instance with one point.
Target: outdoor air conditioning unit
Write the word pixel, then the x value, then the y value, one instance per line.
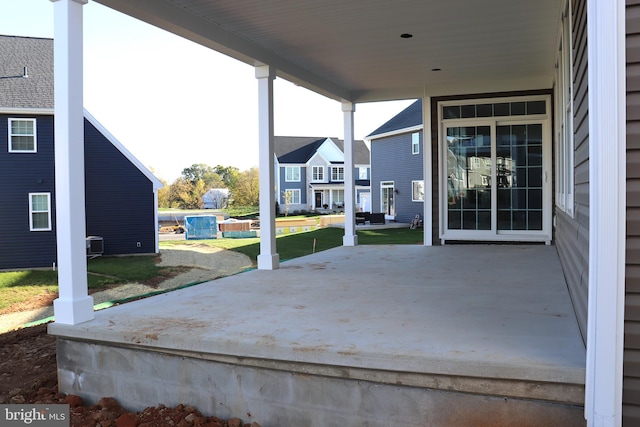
pixel 95 246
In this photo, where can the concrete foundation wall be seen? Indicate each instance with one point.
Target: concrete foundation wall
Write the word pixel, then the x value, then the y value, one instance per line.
pixel 273 397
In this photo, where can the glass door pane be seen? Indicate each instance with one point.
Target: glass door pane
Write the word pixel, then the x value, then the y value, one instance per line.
pixel 388 206
pixel 469 178
pixel 519 176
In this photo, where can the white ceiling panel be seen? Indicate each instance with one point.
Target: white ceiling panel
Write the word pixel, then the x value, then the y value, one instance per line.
pixel 352 49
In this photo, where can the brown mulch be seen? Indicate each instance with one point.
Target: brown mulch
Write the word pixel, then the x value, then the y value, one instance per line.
pixel 28 375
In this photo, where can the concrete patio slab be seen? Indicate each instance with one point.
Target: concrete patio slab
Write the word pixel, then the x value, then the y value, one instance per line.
pixel 484 319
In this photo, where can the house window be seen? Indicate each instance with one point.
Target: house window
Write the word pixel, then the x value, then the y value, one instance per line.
pixel 564 117
pixel 337 173
pixel 22 136
pixel 317 173
pixel 338 199
pixel 292 174
pixel 40 211
pixel 293 195
pixel 415 143
pixel 417 191
pixel 362 173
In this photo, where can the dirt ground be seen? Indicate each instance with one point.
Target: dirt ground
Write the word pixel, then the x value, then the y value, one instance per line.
pixel 28 371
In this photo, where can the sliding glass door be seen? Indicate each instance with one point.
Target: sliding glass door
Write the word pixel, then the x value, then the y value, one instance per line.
pixel 494 180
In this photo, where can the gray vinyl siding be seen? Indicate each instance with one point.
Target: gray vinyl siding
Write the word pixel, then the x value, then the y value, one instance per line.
pixel 119 198
pixel 24 173
pixel 392 160
pixel 631 386
pixel 572 233
pixel 293 185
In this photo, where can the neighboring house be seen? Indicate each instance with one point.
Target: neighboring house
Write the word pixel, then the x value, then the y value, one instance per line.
pixel 121 194
pixel 396 165
pixel 310 173
pixel 215 198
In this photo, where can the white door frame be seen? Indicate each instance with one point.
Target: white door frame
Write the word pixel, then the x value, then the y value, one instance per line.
pixel 545 234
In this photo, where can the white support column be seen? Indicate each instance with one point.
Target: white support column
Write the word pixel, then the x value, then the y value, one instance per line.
pixel 607 205
pixel 350 237
pixel 427 172
pixel 74 305
pixel 268 258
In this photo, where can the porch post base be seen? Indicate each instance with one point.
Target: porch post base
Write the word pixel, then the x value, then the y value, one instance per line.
pixel 268 262
pixel 350 240
pixel 72 311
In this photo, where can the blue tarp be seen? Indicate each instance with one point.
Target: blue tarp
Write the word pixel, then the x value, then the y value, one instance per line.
pixel 200 227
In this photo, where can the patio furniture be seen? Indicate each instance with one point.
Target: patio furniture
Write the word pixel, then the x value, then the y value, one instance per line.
pixel 376 218
pixel 362 217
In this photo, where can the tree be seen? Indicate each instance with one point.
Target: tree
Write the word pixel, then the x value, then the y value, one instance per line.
pixel 287 196
pixel 206 174
pixel 247 191
pixel 229 175
pixel 164 194
pixel 185 194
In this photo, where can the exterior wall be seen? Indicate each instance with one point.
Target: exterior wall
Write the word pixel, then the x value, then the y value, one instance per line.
pixel 631 387
pixel 287 185
pixel 392 160
pixel 24 173
pixel 119 198
pixel 572 234
pixel 317 161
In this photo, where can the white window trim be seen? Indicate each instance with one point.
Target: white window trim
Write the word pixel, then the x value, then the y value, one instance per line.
pixel 415 143
pixel 320 177
pixel 9 135
pixel 336 192
pixel 564 117
pixel 31 211
pixel 335 173
pixel 293 169
pixel 383 186
pixel 543 235
pixel 413 184
pixel 362 172
pixel 295 192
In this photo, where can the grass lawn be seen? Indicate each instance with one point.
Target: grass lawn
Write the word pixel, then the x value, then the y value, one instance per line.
pixel 300 244
pixel 18 286
pixel 103 271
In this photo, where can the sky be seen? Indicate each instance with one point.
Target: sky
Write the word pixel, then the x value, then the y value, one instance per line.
pixel 173 103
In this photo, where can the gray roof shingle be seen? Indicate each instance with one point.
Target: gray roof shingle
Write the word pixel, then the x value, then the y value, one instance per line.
pixel 299 149
pixel 409 117
pixel 34 91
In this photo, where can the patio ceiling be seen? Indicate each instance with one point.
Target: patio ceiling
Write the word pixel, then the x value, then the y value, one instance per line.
pixel 353 50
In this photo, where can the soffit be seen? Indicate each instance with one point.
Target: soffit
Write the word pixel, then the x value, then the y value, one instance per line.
pixel 352 50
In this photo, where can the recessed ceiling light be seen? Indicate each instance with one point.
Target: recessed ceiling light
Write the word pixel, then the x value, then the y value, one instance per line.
pixel 406 36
